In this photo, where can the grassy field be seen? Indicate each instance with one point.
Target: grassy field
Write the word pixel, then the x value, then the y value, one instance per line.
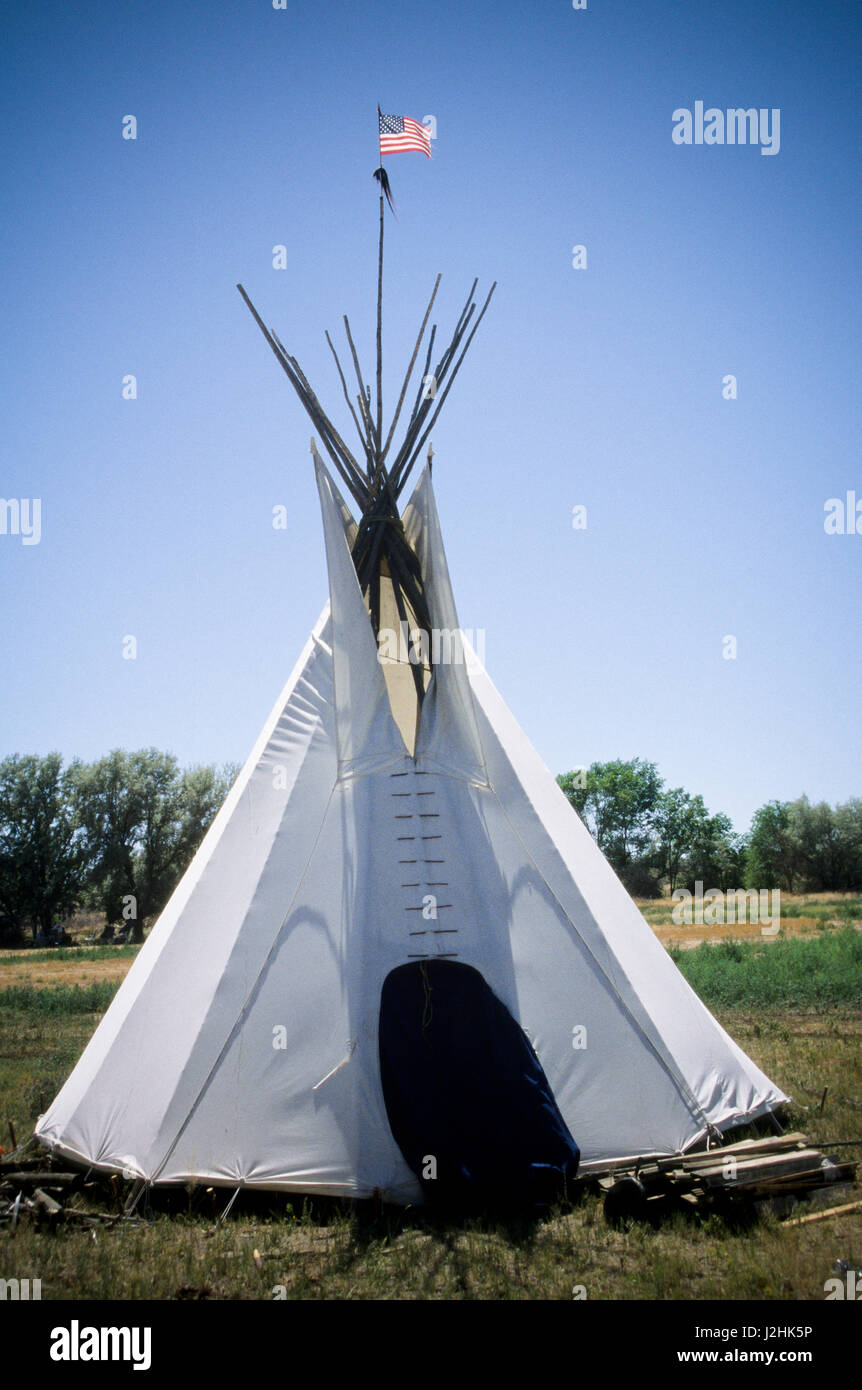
pixel 794 1004
pixel 801 915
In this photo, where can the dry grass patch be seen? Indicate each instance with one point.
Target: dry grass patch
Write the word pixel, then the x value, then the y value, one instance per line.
pixel 43 973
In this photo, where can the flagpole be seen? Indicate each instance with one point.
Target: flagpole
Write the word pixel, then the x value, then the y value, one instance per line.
pixel 382 182
pixel 380 333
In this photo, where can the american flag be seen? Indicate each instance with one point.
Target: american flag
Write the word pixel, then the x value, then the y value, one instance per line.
pixel 399 133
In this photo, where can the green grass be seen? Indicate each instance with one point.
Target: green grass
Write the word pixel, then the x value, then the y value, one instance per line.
pixel 302 1250
pixel 37 1053
pixel 406 1256
pixel 808 1043
pixel 830 910
pixel 798 972
pixel 58 1000
pixel 24 956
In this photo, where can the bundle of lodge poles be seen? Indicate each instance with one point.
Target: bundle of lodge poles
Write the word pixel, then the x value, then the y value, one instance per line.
pixel 380 544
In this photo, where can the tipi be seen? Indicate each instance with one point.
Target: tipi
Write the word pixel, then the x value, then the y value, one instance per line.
pixel 398 958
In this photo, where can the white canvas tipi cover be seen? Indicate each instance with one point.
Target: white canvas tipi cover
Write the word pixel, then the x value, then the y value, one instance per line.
pixel 242 1046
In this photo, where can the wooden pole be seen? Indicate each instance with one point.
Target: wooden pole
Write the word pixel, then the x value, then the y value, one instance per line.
pixel 410 369
pixel 361 399
pixel 404 472
pixel 822 1215
pixel 336 448
pixel 363 438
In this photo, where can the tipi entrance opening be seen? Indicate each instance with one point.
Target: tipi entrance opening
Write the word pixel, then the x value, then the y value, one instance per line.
pixel 466 1097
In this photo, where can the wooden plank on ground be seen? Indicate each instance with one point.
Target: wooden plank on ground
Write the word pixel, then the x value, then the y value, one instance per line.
pixel 747 1148
pixel 756 1169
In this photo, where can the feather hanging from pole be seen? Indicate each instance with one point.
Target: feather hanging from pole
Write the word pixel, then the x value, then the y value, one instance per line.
pixel 383 179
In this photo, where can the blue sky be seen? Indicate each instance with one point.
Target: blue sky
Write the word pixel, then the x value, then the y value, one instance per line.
pixel 602 386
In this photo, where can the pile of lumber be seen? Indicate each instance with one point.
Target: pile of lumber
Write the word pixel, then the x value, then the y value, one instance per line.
pixel 751 1170
pixel 33 1190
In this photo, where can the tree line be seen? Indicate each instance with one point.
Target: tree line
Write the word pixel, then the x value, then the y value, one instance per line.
pixel 655 836
pixel 114 836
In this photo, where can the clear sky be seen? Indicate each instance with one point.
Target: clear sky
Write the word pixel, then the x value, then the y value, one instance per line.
pixel 600 386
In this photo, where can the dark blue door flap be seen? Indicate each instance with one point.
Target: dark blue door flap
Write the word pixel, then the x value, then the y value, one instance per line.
pixel 468 1102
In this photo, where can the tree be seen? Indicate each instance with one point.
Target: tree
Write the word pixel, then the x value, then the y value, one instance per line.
pixel 772 856
pixel 715 855
pixel 616 801
pixel 143 821
pixel 155 864
pixel 848 824
pixel 41 856
pixel 202 792
pixel 574 788
pixel 818 844
pixel 126 804
pixel 679 822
